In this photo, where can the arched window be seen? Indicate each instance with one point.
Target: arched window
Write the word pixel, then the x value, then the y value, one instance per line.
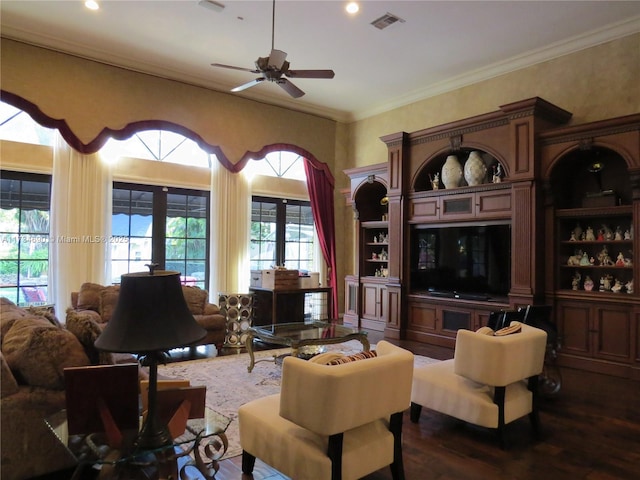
pixel 16 125
pixel 160 145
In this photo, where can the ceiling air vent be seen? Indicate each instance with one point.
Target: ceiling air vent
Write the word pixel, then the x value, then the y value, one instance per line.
pixel 386 20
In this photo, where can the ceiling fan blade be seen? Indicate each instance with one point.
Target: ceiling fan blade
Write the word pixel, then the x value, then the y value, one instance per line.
pixel 310 73
pixel 277 58
pixel 248 84
pixel 290 88
pixel 220 65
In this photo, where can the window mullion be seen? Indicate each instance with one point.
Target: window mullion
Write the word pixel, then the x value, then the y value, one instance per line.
pixel 159 228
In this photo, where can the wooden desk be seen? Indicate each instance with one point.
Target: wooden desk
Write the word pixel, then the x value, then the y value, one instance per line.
pixel 272 306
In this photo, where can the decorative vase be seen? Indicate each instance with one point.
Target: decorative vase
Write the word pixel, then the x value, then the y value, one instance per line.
pixel 475 171
pixel 451 172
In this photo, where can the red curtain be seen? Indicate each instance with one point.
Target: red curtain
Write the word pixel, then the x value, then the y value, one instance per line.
pixel 320 184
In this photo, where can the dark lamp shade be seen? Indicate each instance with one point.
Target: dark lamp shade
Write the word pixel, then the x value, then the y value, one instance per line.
pixel 151 315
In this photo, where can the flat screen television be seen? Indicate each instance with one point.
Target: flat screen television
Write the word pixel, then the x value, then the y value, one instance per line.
pixel 471 262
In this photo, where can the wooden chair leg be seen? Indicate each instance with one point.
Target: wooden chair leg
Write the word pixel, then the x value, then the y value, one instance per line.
pixel 534 416
pixel 498 399
pixel 248 462
pixel 414 412
pixel 334 452
pixel 395 426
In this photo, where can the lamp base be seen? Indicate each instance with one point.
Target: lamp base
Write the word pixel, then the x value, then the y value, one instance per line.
pixel 154 433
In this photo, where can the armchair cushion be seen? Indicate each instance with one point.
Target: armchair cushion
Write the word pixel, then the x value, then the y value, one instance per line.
pixel 502 360
pixel 465 399
pixel 312 395
pixel 302 454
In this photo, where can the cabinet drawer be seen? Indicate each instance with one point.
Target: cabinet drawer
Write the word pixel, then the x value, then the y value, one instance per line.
pixel 493 204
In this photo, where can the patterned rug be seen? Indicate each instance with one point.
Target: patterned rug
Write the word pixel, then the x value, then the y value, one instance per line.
pixel 229 385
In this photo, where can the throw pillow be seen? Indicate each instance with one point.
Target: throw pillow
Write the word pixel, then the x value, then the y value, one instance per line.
pixel 353 358
pixel 108 301
pixel 89 296
pixel 325 358
pixel 195 298
pixel 515 327
pixel 46 312
pixel 485 331
pixel 38 352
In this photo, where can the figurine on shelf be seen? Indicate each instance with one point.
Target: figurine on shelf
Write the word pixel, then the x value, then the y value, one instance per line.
pixel 577 232
pixel 604 258
pixel 627 235
pixel 383 254
pixel 575 258
pixel 589 236
pixel 629 286
pixel 607 233
pixel 588 283
pixel 618 234
pixel 620 260
pixel 435 181
pixel 497 173
pixel 605 283
pixel 374 256
pixel 575 282
pixel 584 261
pixel 617 286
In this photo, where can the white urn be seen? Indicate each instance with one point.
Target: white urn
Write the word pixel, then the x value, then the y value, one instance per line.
pixel 475 171
pixel 451 175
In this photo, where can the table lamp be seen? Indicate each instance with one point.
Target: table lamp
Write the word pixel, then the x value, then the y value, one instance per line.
pixel 150 318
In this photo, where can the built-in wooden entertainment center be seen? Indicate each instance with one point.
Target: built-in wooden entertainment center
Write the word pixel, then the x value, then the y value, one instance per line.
pixel 563 208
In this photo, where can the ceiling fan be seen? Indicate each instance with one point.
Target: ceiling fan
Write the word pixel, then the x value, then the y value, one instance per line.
pixel 275 68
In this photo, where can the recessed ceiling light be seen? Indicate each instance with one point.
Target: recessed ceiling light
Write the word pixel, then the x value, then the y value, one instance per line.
pixel 352 7
pixel 92 5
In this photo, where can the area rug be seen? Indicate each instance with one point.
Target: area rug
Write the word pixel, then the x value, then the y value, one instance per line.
pixel 229 385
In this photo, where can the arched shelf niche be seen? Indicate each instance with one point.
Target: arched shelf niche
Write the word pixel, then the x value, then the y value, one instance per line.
pixel 368 200
pixel 596 176
pixel 423 180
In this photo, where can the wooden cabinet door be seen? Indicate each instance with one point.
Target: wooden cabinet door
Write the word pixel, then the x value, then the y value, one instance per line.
pixel 611 329
pixel 454 319
pixel 424 209
pixel 457 206
pixel 370 301
pixel 573 327
pixel 494 204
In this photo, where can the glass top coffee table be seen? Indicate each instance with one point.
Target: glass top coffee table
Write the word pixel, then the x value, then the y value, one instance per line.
pixel 298 335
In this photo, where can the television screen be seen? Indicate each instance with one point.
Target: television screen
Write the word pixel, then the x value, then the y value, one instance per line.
pixel 461 261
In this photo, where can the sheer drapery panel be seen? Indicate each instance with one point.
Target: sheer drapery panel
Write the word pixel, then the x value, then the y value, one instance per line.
pixel 80 222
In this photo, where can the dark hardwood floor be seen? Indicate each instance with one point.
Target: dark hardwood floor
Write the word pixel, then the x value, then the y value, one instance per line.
pixel 590 431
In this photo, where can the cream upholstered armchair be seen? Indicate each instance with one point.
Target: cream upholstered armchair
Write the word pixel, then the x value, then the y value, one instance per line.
pixel 491 381
pixel 331 421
